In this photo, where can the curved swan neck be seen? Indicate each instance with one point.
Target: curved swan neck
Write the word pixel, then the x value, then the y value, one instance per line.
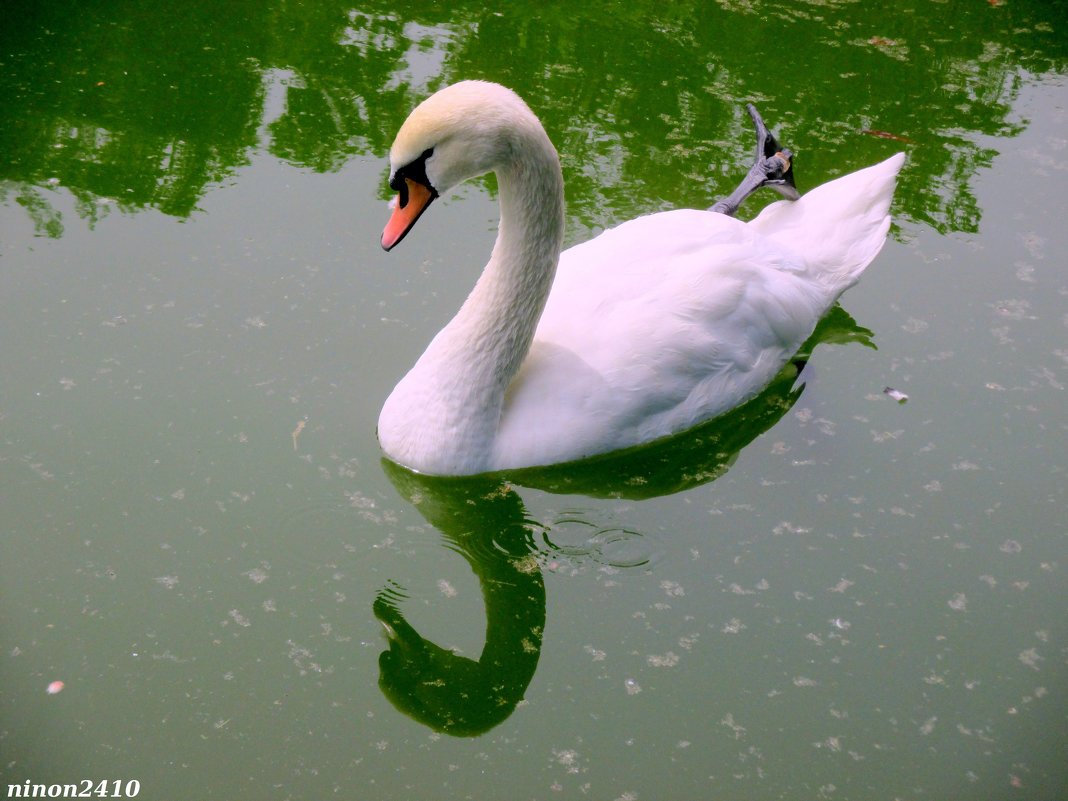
pixel 510 295
pixel 494 328
pixel 457 388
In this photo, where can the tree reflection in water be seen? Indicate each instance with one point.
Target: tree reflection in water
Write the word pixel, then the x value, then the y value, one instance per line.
pixel 124 107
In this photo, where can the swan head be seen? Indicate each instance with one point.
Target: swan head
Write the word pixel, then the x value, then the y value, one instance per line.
pixel 462 131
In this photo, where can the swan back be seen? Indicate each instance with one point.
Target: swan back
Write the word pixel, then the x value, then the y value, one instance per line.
pixel 674 318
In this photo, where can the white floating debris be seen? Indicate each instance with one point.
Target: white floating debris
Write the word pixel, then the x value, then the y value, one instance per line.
pixel 672 588
pixel 596 654
pixel 670 659
pixel 841 586
pixel 257 575
pixel 55 688
pixel 733 626
pixel 1030 657
pixel 569 758
pixel 895 394
pixel 239 618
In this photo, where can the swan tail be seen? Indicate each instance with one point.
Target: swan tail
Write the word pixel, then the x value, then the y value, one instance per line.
pixel 838 228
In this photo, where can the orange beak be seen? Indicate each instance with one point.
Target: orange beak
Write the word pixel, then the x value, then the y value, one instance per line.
pixel 406 212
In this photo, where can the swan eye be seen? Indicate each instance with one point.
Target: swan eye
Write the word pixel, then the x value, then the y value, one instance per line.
pixel 413 171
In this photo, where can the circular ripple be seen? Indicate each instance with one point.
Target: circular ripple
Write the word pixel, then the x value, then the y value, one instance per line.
pixel 620 547
pixel 615 547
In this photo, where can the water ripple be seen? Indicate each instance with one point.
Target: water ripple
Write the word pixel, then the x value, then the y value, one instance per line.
pixel 613 546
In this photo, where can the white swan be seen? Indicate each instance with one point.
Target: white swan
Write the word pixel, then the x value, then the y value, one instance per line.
pixel 644 331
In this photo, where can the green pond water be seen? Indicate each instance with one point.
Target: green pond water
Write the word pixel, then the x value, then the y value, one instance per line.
pixel 827 594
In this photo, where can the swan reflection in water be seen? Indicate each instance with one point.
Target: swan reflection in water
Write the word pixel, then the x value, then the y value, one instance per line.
pixel 483 519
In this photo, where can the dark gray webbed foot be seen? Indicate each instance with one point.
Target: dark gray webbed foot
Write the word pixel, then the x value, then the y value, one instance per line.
pixel 773 168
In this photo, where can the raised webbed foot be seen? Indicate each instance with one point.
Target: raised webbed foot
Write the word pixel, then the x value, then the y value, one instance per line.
pixel 772 168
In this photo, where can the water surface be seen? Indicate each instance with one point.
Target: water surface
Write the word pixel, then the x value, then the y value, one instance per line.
pixel 831 594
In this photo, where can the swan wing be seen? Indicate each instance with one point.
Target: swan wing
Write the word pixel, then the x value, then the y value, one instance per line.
pixel 652 327
pixel 673 318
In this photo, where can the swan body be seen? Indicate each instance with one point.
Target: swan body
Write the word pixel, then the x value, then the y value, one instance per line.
pixel 648 329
